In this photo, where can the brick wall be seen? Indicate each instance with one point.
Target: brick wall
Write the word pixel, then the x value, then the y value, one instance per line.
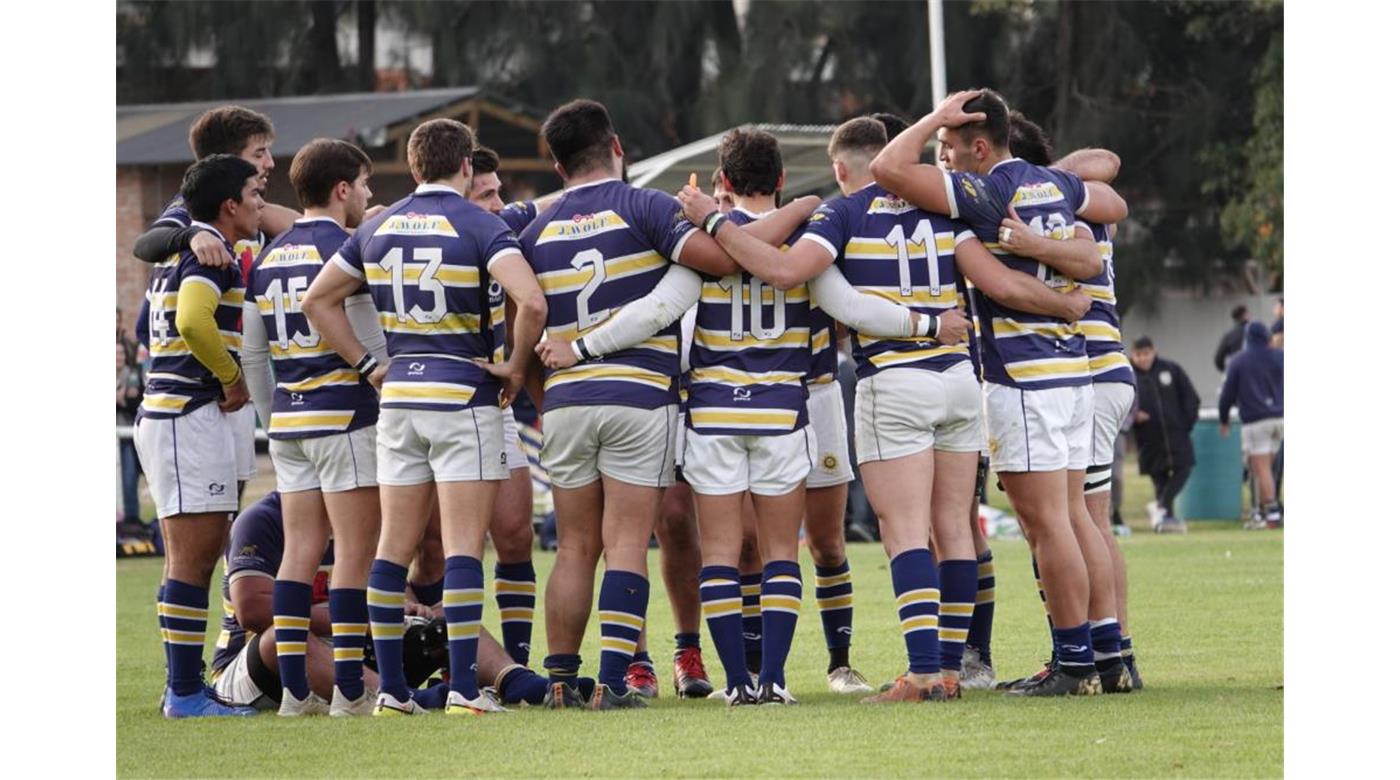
pixel 131 222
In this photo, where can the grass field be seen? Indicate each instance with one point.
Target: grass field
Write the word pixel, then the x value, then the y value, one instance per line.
pixel 1206 617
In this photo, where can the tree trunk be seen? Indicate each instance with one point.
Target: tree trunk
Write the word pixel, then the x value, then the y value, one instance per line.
pixel 325 55
pixel 366 15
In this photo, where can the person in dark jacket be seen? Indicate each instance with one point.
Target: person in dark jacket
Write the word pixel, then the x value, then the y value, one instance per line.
pixel 1254 384
pixel 1233 340
pixel 1167 410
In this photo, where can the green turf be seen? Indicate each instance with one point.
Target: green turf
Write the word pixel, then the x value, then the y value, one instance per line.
pixel 1207 619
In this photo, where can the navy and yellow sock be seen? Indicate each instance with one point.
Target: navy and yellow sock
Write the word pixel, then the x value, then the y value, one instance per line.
pixel 836 601
pixel 686 640
pixel 1107 639
pixel 979 635
pixel 428 594
pixel 384 599
pixel 349 624
pixel 750 590
pixel 515 598
pixel 160 621
pixel 723 609
pixel 1074 650
pixel 517 684
pixel 563 668
pixel 780 602
pixel 186 611
pixel 291 623
pixel 622 609
pixel 957 588
pixel 916 597
pixel 462 594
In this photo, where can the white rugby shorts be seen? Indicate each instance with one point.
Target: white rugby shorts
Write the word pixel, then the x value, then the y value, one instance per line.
pixel 515 454
pixel 330 464
pixel 722 464
pixel 1112 402
pixel 903 411
pixel 1262 437
pixel 191 461
pixel 245 425
pixel 626 443
pixel 420 445
pixel 1039 430
pixel 826 412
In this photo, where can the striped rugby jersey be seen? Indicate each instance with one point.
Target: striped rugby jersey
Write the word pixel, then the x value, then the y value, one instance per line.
pixel 177 215
pixel 255 546
pixel 426 261
pixel 1102 338
pixel 601 246
pixel 882 245
pixel 750 354
pixel 178 383
pixel 517 216
pixel 1018 349
pixel 317 392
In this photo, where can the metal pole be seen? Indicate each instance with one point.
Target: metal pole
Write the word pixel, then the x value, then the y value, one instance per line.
pixel 938 67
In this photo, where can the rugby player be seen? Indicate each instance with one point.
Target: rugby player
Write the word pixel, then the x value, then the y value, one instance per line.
pixel 904 441
pixel 184 432
pixel 609 425
pixel 426 260
pixel 1039 399
pixel 246 668
pixel 320 420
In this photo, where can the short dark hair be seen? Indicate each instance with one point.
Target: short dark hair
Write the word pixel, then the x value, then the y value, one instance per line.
pixel 1143 342
pixel 322 164
pixel 862 134
pixel 485 160
pixel 752 161
pixel 1240 313
pixel 579 135
pixel 996 128
pixel 226 130
pixel 894 123
pixel 1028 140
pixel 437 147
pixel 213 180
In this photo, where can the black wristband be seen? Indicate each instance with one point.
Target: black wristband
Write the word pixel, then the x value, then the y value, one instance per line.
pixel 712 223
pixel 366 365
pixel 582 349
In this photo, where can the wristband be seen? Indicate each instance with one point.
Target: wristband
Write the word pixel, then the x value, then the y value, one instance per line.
pixel 925 322
pixel 580 349
pixel 712 223
pixel 937 326
pixel 366 365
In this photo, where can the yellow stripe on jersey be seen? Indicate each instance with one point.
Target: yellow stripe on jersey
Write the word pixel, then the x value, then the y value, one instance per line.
pixel 294 350
pixel 569 280
pixel 720 340
pixel 615 372
pixel 298 422
pixel 733 376
pixel 1098 292
pixel 1048 368
pixel 1099 331
pixel 176 346
pixel 340 376
pixel 887 359
pixel 569 229
pixel 821 340
pixel 755 419
pixel 1007 328
pixel 451 322
pixel 714 292
pixel 164 402
pixel 427 393
pixel 947 295
pixel 864 248
pixel 448 275
pixel 1108 361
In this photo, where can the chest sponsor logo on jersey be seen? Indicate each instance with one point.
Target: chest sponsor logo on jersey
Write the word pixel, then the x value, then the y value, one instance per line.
pixel 889 204
pixel 412 224
pixel 1037 194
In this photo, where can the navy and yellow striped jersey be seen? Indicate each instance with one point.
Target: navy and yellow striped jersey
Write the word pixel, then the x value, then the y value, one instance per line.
pixel 750 354
pixel 255 545
pixel 888 247
pixel 1102 338
pixel 1019 349
pixel 426 261
pixel 178 383
pixel 601 246
pixel 245 250
pixel 519 214
pixel 317 392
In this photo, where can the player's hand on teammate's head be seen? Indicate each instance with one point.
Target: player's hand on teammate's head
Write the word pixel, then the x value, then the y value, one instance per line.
pixel 376 377
pixel 209 250
pixel 235 395
pixel 950 112
pixel 511 379
pixel 952 327
pixel 556 353
pixel 697 204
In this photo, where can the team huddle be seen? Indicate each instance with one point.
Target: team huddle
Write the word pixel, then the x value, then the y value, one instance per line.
pixel 682 353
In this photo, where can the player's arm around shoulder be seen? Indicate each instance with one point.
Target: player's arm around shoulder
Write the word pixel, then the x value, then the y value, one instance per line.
pixel 783 270
pixel 1014 289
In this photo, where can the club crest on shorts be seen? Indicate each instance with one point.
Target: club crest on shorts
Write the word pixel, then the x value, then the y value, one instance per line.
pixel 829 461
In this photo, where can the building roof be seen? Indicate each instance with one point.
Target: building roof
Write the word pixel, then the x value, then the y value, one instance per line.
pixel 159 133
pixel 804 159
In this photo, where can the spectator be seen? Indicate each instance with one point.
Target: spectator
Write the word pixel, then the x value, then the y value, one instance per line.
pixel 130 385
pixel 1167 410
pixel 1233 340
pixel 1276 330
pixel 1254 383
pixel 124 339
